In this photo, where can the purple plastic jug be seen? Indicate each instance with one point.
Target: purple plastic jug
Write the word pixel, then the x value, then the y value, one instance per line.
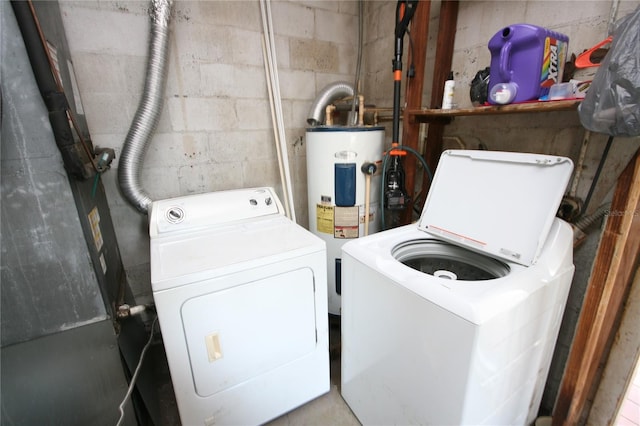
pixel 526 60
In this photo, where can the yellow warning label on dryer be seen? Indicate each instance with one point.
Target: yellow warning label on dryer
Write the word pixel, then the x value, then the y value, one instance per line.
pixel 324 218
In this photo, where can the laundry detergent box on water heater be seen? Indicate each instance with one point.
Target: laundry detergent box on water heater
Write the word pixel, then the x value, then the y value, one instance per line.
pixel 526 60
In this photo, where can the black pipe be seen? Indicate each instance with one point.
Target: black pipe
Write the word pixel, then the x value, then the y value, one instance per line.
pixel 405 9
pixel 395 136
pixel 73 156
pixel 596 177
pixel 397 83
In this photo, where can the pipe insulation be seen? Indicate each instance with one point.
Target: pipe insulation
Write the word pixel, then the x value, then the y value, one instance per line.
pixel 148 113
pixel 327 95
pixel 74 155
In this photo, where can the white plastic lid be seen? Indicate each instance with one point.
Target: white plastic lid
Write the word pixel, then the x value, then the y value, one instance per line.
pixel 498 203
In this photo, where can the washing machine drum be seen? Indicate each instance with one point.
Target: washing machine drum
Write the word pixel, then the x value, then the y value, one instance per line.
pixel 447 261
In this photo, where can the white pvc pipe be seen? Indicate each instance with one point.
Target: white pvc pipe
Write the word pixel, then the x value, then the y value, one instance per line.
pixel 279 115
pixel 274 121
pixel 276 103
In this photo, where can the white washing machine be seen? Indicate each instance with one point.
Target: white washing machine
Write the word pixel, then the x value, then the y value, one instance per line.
pixel 453 320
pixel 241 297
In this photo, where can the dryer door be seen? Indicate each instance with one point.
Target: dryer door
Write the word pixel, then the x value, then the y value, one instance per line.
pixel 241 332
pixel 498 203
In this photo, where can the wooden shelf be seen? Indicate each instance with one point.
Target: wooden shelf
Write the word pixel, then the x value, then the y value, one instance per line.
pixel 431 115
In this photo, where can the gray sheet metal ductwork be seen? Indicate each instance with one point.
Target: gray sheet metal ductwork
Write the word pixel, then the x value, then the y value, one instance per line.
pixel 148 113
pixel 330 93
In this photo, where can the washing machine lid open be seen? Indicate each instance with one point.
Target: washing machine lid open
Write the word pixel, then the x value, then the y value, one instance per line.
pixel 498 203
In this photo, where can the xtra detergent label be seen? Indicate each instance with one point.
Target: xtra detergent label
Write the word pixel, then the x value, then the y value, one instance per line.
pixel 555 53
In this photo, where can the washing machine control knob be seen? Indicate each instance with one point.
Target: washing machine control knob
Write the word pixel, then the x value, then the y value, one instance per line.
pixel 253 202
pixel 268 201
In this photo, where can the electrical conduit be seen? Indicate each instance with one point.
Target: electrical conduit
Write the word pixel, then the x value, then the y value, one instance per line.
pixel 357 87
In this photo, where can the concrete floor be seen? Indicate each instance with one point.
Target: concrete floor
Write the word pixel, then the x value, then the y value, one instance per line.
pixel 328 409
pixel 629 414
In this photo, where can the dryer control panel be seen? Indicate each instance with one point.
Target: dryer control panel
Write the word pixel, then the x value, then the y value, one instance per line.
pixel 203 211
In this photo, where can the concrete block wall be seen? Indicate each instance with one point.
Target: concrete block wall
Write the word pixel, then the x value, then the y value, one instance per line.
pixel 380 50
pixel 215 131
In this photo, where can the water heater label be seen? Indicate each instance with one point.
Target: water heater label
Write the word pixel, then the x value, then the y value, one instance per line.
pixel 346 222
pixel 324 215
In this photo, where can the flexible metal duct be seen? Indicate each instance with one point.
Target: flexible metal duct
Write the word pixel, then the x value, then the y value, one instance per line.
pixel 330 93
pixel 146 118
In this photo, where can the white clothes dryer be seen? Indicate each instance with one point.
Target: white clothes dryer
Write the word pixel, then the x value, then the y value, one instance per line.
pixel 241 296
pixel 453 320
